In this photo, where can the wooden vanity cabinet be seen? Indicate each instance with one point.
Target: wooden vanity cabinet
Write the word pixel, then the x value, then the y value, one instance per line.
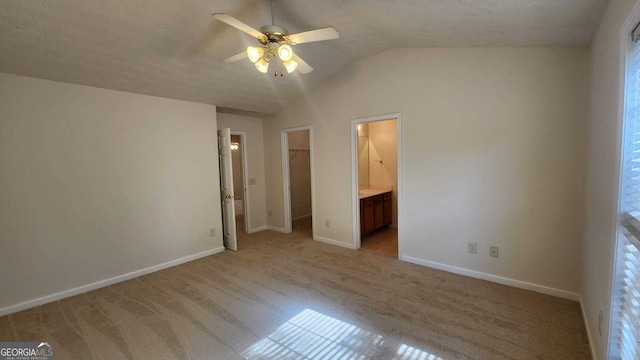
pixel 378 212
pixel 367 214
pixel 388 210
pixel 375 213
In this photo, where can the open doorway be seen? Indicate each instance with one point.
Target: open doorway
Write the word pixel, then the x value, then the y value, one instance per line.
pixel 297 176
pixel 376 185
pixel 239 165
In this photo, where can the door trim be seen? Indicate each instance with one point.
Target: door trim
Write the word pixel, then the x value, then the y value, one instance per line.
pixel 245 180
pixel 355 180
pixel 286 191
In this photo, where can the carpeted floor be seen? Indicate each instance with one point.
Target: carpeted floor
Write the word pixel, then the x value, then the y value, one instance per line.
pixel 289 297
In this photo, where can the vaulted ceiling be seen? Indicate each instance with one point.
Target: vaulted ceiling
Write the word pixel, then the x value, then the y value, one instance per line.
pixel 174 48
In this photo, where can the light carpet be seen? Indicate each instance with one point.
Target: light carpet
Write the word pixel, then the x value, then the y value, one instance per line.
pixel 289 297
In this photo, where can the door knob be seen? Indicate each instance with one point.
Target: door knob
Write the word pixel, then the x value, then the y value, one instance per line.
pixel 228 196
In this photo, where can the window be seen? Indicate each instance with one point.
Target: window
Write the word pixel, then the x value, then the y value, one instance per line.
pixel 626 310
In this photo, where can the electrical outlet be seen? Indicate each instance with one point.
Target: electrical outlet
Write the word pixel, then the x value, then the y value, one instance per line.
pixel 327 223
pixel 493 251
pixel 473 247
pixel 270 214
pixel 600 317
pixel 252 181
pixel 212 232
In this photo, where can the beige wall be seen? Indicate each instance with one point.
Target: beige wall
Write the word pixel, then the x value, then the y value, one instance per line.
pixel 383 146
pixel 300 173
pixel 493 152
pixel 603 166
pixel 99 183
pixel 255 161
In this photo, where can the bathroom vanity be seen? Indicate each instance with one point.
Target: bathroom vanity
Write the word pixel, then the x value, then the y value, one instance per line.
pixel 375 209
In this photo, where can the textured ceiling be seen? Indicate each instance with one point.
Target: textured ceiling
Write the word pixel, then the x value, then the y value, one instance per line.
pixel 173 48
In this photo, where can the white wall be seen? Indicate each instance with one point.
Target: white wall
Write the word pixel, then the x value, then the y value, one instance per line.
pixel 383 146
pixel 493 151
pixel 99 183
pixel 255 161
pixel 602 171
pixel 299 173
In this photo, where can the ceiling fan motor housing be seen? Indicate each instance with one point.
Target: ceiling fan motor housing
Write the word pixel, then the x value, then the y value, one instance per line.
pixel 273 34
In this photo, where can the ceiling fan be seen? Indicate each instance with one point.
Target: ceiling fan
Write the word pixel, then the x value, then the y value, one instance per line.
pixel 276 44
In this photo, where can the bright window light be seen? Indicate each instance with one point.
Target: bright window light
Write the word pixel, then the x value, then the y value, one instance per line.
pixel 625 337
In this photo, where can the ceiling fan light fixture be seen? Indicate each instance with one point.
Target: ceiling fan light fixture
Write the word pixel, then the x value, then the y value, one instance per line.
pixel 254 53
pixel 263 65
pixel 285 53
pixel 290 65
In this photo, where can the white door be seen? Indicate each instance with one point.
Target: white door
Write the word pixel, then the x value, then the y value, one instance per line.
pixel 226 191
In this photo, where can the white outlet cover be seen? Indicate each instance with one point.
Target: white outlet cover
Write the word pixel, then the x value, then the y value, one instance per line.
pixel 494 251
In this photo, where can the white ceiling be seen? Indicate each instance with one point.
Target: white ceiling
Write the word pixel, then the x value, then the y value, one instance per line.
pixel 173 48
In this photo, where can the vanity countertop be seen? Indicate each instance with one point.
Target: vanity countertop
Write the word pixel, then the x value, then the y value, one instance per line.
pixel 366 193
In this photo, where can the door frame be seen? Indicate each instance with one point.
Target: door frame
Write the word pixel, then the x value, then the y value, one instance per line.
pixel 286 176
pixel 355 181
pixel 245 180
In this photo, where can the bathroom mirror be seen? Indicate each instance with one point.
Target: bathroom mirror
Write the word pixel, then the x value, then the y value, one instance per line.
pixel 363 154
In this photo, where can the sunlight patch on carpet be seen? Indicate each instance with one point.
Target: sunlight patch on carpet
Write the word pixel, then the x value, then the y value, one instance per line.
pixel 313 335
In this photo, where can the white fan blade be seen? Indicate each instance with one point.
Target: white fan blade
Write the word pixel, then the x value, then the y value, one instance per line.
pixel 328 33
pixel 238 25
pixel 236 57
pixel 303 67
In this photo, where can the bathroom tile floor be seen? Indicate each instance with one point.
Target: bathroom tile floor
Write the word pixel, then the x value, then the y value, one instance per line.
pixel 382 242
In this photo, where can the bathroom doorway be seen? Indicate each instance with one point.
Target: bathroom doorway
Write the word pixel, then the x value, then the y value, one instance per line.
pixel 239 169
pixel 376 184
pixel 298 179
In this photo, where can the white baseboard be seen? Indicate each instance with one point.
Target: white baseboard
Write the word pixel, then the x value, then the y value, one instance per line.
pixel 259 228
pixel 277 229
pixel 334 242
pixel 301 217
pixel 585 319
pixel 494 278
pixel 99 284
